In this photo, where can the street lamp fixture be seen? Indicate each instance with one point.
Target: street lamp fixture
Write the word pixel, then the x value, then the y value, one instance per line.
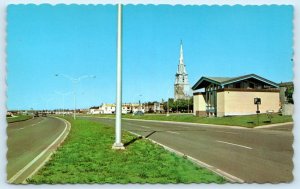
pixel 75 81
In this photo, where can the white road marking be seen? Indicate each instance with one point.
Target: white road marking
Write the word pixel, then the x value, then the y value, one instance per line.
pixel 29 126
pixel 18 174
pixel 227 132
pixel 173 132
pixel 234 144
pixel 47 159
pixel 220 172
pixel 37 123
pixel 20 129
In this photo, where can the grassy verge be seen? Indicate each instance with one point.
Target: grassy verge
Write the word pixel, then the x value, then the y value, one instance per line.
pixel 86 157
pixel 18 118
pixel 249 121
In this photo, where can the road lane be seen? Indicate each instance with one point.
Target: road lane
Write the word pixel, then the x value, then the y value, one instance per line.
pixel 268 160
pixel 28 139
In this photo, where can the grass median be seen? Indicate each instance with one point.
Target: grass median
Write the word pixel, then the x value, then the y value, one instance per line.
pixel 17 118
pixel 249 121
pixel 87 157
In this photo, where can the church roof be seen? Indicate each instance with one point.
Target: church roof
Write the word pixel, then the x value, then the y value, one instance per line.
pixel 204 81
pixel 220 79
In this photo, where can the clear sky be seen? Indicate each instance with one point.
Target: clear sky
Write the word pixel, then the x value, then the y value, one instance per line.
pixel 80 40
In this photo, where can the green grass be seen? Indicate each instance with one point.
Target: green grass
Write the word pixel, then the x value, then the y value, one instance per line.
pixel 249 121
pixel 18 117
pixel 86 157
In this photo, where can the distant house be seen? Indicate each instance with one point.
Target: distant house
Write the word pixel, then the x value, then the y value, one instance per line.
pixel 226 96
pixel 108 108
pixel 94 110
pixel 134 107
pixel 154 107
pixel 9 114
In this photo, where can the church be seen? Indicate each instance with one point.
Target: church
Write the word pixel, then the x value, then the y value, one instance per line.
pixel 182 88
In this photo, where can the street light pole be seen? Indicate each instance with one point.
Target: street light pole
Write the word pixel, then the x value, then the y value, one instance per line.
pixel 168 103
pixel 186 94
pixel 75 88
pixel 63 96
pixel 188 104
pixel 140 108
pixel 168 107
pixel 118 143
pixel 75 81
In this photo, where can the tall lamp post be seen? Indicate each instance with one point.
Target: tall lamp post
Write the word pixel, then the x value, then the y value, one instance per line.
pixel 118 145
pixel 168 103
pixel 188 96
pixel 75 81
pixel 140 107
pixel 63 96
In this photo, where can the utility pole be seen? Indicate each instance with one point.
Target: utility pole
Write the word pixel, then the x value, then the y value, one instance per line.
pixel 118 143
pixel 188 104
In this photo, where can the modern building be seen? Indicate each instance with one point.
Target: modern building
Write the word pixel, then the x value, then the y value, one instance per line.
pixel 227 96
pixel 182 88
pixel 154 107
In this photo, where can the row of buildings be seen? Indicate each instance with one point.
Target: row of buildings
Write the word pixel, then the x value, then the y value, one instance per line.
pixel 151 107
pixel 219 96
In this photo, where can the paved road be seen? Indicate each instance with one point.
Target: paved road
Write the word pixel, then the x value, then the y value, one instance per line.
pixel 253 155
pixel 26 140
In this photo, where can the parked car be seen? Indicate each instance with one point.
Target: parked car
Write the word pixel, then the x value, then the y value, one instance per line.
pixel 138 113
pixel 44 114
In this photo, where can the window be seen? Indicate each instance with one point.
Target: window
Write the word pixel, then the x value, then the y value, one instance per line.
pixel 238 85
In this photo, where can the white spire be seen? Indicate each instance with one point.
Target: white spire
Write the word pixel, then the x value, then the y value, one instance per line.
pixel 181 53
pixel 181 86
pixel 181 66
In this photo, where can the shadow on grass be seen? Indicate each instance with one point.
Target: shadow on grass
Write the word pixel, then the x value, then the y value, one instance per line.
pixel 138 138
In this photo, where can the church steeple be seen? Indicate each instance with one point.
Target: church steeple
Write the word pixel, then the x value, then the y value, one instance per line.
pixel 181 66
pixel 181 53
pixel 181 86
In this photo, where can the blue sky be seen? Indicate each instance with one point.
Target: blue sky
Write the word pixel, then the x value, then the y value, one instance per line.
pixel 81 40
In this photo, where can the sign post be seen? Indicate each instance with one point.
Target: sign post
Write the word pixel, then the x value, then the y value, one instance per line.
pixel 257 101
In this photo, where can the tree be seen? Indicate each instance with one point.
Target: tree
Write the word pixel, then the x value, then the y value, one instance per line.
pixel 289 94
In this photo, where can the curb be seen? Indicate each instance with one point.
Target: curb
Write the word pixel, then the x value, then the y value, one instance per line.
pixel 68 124
pixel 200 124
pixel 20 120
pixel 273 125
pixel 192 124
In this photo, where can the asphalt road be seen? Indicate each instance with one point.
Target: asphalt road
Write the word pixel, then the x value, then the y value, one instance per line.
pixel 26 140
pixel 253 155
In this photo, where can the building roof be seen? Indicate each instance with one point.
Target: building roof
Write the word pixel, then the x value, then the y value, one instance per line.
pixel 220 79
pixel 94 107
pixel 203 81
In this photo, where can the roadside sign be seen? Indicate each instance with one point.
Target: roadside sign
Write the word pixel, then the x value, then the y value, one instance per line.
pixel 257 100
